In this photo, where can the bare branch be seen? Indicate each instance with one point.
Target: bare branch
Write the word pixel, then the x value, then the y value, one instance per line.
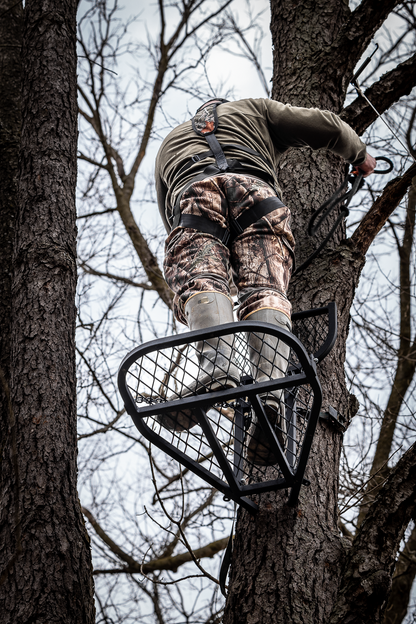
pixel 358 31
pixel 367 573
pixel 95 214
pixel 171 563
pixel 105 428
pixel 410 145
pixel 406 362
pixel 382 94
pixel 377 216
pixel 117 278
pixel 403 578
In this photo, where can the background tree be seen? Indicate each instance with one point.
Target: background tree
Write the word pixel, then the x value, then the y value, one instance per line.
pixel 45 550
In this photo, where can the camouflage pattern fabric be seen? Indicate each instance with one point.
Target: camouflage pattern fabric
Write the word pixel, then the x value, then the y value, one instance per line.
pixel 204 120
pixel 259 260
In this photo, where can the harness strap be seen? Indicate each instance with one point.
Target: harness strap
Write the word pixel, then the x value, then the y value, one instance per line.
pixel 255 213
pixel 226 236
pixel 208 171
pixel 216 149
pixel 202 224
pixel 242 148
pixel 205 124
pixel 211 170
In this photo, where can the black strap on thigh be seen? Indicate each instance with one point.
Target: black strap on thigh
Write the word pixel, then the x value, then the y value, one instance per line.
pixel 253 214
pixel 247 218
pixel 202 224
pixel 209 171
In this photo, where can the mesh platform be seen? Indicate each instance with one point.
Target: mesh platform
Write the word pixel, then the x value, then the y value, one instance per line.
pixel 234 401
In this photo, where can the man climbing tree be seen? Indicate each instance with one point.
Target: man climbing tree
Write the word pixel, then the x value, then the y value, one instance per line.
pixel 226 217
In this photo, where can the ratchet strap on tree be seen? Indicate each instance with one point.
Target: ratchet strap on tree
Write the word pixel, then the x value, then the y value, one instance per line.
pixel 205 124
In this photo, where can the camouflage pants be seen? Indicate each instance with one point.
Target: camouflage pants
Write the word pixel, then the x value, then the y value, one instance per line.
pixel 259 259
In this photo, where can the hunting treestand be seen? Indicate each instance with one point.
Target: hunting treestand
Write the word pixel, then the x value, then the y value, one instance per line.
pixel 228 424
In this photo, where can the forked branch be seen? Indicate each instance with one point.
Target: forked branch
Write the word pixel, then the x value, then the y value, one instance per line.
pixel 381 210
pixel 370 562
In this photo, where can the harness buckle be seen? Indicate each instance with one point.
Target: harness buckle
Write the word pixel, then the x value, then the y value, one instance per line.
pixel 195 158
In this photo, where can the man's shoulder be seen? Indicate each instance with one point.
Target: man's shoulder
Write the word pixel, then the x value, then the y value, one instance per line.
pixel 254 106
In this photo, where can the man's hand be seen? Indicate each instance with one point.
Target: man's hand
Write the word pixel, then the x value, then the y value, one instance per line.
pixel 368 166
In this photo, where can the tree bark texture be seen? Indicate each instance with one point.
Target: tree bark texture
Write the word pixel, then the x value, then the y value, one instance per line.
pixel 51 580
pixel 10 121
pixel 11 24
pixel 288 562
pixel 402 583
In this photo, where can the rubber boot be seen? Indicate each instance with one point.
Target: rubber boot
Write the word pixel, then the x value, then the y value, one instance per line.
pixel 216 369
pixel 269 360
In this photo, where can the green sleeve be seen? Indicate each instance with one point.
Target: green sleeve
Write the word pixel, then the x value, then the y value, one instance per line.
pixel 293 126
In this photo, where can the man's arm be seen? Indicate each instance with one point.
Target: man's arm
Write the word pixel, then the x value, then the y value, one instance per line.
pixel 294 126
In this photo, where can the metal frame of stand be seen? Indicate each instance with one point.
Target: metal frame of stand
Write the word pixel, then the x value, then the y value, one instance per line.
pixel 216 440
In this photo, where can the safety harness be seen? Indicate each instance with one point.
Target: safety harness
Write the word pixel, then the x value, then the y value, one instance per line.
pixel 205 124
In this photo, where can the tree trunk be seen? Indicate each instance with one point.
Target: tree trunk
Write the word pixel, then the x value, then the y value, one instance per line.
pixel 51 579
pixel 10 121
pixel 287 562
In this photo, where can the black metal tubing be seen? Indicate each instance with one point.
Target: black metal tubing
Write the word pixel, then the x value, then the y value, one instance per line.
pixel 218 452
pixel 290 402
pixel 331 310
pixel 272 441
pixel 235 490
pixel 198 469
pixel 266 486
pixel 221 396
pixel 211 398
pixel 238 441
pixel 216 332
pixel 306 447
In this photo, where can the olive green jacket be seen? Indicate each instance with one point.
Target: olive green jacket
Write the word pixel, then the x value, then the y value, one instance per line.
pixel 263 125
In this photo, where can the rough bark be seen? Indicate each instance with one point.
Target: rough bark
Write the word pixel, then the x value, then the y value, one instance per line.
pixel 289 557
pixel 321 42
pixel 51 580
pixel 10 121
pixel 287 563
pixel 404 576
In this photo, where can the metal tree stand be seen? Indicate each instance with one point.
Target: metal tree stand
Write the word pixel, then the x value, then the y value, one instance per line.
pixel 224 436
